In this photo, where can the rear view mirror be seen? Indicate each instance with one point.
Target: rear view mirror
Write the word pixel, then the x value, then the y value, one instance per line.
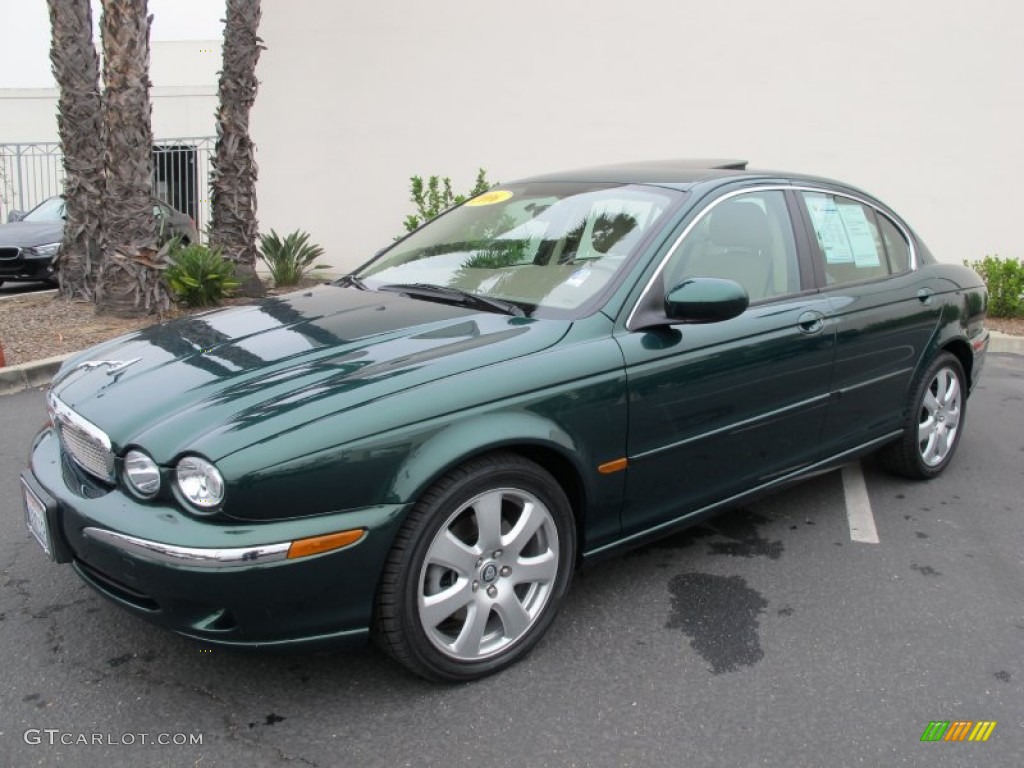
pixel 14 216
pixel 705 300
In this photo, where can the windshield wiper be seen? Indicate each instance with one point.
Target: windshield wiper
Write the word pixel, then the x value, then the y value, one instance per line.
pixel 352 280
pixel 457 295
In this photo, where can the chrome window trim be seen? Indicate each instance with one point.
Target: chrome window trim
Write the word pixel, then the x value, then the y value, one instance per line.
pixel 873 206
pixel 682 236
pixel 765 188
pixel 192 557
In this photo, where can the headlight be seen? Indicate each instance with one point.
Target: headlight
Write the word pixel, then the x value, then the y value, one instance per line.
pixel 47 251
pixel 142 473
pixel 200 482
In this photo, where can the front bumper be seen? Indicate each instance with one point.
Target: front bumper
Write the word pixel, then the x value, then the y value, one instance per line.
pixel 25 266
pixel 224 583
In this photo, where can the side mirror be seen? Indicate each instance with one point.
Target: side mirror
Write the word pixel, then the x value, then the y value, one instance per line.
pixel 705 300
pixel 14 216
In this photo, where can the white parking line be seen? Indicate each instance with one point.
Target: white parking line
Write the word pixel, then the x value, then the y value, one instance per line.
pixel 858 505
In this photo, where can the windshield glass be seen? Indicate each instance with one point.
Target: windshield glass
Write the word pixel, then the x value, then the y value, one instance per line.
pixel 540 245
pixel 48 210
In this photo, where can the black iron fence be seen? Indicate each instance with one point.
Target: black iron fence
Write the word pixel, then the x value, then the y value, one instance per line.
pixel 30 173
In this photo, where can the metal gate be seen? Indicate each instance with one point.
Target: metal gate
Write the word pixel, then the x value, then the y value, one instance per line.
pixel 30 173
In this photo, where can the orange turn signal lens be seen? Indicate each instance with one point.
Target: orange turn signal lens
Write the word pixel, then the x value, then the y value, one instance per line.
pixel 316 545
pixel 610 467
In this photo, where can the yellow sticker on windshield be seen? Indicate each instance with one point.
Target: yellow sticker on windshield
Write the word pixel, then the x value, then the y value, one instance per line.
pixel 490 198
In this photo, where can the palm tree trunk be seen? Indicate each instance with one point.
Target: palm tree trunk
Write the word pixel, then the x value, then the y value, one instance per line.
pixel 233 226
pixel 76 68
pixel 130 281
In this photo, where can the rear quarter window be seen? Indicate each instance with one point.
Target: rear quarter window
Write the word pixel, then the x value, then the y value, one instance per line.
pixel 896 245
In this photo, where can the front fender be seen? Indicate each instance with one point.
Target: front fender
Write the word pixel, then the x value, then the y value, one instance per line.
pixel 488 432
pixel 526 432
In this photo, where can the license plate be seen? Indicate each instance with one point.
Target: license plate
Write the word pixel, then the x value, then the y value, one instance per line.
pixel 35 518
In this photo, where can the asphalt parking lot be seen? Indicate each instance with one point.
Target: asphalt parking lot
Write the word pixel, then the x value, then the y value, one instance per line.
pixel 768 637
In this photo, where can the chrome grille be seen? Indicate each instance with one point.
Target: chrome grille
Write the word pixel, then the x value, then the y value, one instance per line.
pixel 83 441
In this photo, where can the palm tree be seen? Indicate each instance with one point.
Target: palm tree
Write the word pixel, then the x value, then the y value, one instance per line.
pixel 130 281
pixel 76 68
pixel 233 226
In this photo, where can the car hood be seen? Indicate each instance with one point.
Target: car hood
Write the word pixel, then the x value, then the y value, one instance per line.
pixel 219 382
pixel 22 234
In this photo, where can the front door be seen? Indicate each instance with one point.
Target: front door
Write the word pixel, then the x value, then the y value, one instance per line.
pixel 721 408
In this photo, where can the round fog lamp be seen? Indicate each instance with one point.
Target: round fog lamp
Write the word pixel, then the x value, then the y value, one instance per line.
pixel 200 482
pixel 142 473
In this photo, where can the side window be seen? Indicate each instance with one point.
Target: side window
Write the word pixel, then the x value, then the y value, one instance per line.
pixel 849 238
pixel 895 245
pixel 747 238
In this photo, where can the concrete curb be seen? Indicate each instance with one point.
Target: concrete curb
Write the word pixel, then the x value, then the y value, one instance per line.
pixel 21 294
pixel 1004 342
pixel 17 378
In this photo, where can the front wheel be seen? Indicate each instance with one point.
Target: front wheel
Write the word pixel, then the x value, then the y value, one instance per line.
pixel 478 570
pixel 934 422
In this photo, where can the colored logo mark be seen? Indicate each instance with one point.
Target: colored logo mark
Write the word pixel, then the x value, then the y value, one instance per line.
pixel 958 730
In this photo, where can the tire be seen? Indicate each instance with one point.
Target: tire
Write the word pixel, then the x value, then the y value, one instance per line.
pixel 496 537
pixel 933 424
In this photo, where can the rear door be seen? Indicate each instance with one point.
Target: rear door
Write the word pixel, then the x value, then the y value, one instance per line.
pixel 884 311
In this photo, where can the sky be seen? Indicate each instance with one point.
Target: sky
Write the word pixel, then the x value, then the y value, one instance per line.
pixel 25 34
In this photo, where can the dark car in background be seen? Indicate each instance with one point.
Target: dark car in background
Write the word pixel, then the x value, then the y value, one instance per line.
pixel 557 370
pixel 29 241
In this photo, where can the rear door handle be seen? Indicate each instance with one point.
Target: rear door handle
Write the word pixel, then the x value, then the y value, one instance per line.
pixel 810 321
pixel 925 295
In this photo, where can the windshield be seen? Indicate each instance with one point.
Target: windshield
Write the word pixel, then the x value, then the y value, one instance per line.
pixel 540 245
pixel 48 210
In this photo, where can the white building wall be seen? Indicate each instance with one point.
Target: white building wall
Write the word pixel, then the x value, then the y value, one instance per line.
pixel 184 96
pixel 917 101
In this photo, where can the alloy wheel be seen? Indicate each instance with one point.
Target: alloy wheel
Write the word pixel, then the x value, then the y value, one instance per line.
pixel 488 574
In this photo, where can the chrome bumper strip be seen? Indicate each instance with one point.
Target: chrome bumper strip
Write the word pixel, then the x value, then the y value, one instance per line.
pixel 192 557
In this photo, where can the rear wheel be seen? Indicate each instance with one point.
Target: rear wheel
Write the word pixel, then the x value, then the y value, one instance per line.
pixel 934 421
pixel 478 570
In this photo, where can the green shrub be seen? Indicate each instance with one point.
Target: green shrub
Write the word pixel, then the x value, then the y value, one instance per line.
pixel 289 259
pixel 199 276
pixel 436 196
pixel 1005 281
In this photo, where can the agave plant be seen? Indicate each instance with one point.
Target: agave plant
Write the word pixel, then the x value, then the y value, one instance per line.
pixel 289 259
pixel 199 276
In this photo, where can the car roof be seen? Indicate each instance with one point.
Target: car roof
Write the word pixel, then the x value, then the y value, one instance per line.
pixel 679 173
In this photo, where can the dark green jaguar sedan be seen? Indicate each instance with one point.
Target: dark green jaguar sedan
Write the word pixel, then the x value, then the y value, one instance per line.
pixel 558 369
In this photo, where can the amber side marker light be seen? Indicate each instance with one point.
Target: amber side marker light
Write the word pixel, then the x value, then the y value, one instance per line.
pixel 613 466
pixel 315 545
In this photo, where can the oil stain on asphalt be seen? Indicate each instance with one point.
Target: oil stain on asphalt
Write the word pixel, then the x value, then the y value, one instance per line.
pixel 720 616
pixel 745 538
pixel 739 527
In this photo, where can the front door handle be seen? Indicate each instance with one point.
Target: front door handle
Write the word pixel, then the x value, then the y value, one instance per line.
pixel 810 321
pixel 925 295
